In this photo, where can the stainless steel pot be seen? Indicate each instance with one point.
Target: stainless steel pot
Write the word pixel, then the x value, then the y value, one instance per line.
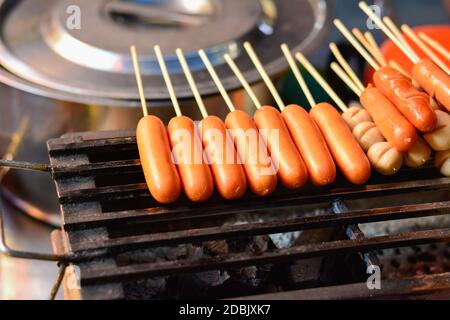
pixel 66 80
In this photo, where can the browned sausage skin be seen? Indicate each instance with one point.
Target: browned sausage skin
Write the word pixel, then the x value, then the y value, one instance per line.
pixel 156 159
pixel 229 176
pixel 393 125
pixel 411 102
pixel 259 169
pixel 433 80
pixel 346 151
pixel 285 156
pixel 311 144
pixel 187 150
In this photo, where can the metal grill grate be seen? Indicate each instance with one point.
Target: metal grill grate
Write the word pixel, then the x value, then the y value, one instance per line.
pixel 107 211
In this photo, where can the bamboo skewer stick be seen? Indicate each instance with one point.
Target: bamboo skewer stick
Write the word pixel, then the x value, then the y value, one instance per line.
pixel 137 71
pixel 398 33
pixel 338 23
pixel 378 55
pixel 399 68
pixel 360 36
pixel 412 56
pixel 251 52
pixel 344 64
pixel 216 80
pixel 190 79
pixel 165 73
pixel 410 33
pixel 345 78
pixel 308 66
pixel 243 81
pixel 297 74
pixel 435 45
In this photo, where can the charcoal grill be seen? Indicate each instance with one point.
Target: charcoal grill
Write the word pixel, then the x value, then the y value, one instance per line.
pixel 107 212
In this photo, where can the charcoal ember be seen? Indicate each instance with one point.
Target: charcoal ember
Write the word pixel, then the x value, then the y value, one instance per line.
pixel 258 245
pixel 216 247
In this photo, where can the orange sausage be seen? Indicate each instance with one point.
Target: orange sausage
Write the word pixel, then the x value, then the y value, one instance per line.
pixel 160 172
pixel 187 150
pixel 412 103
pixel 433 80
pixel 229 176
pixel 292 170
pixel 311 144
pixel 395 128
pixel 260 171
pixel 346 151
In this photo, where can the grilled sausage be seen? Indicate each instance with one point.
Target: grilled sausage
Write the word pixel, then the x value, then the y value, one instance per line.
pixel 439 139
pixel 354 116
pixel 393 125
pixel 412 103
pixel 346 151
pixel 229 176
pixel 259 169
pixel 156 159
pixel 418 155
pixel 187 150
pixel 433 80
pixel 311 144
pixel 367 134
pixel 291 168
pixel 442 162
pixel 385 159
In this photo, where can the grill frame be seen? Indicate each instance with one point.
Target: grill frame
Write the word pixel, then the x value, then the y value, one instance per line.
pixel 84 234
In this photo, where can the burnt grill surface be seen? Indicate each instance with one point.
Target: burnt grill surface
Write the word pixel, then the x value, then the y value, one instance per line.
pixel 107 212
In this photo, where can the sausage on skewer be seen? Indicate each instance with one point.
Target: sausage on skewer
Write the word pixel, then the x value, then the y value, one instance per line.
pixel 228 174
pixel 259 169
pixel 187 148
pixel 154 150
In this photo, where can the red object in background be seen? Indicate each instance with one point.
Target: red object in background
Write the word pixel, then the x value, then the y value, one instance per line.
pixel 390 51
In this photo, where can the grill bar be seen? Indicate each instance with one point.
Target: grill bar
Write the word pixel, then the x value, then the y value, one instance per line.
pixel 95 275
pixel 254 229
pixel 396 289
pixel 108 214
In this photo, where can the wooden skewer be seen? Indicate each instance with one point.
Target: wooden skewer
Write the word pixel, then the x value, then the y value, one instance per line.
pixel 343 75
pixel 191 81
pixel 396 66
pixel 378 55
pixel 360 36
pixel 165 73
pixel 410 33
pixel 308 66
pixel 435 45
pixel 344 64
pixel 413 57
pixel 396 31
pixel 243 81
pixel 216 80
pixel 343 29
pixel 252 54
pixel 298 75
pixel 137 71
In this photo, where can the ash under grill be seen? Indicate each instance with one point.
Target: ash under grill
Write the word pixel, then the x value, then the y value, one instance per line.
pixel 128 246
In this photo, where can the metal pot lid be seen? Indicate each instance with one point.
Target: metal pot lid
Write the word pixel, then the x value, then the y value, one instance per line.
pixel 81 47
